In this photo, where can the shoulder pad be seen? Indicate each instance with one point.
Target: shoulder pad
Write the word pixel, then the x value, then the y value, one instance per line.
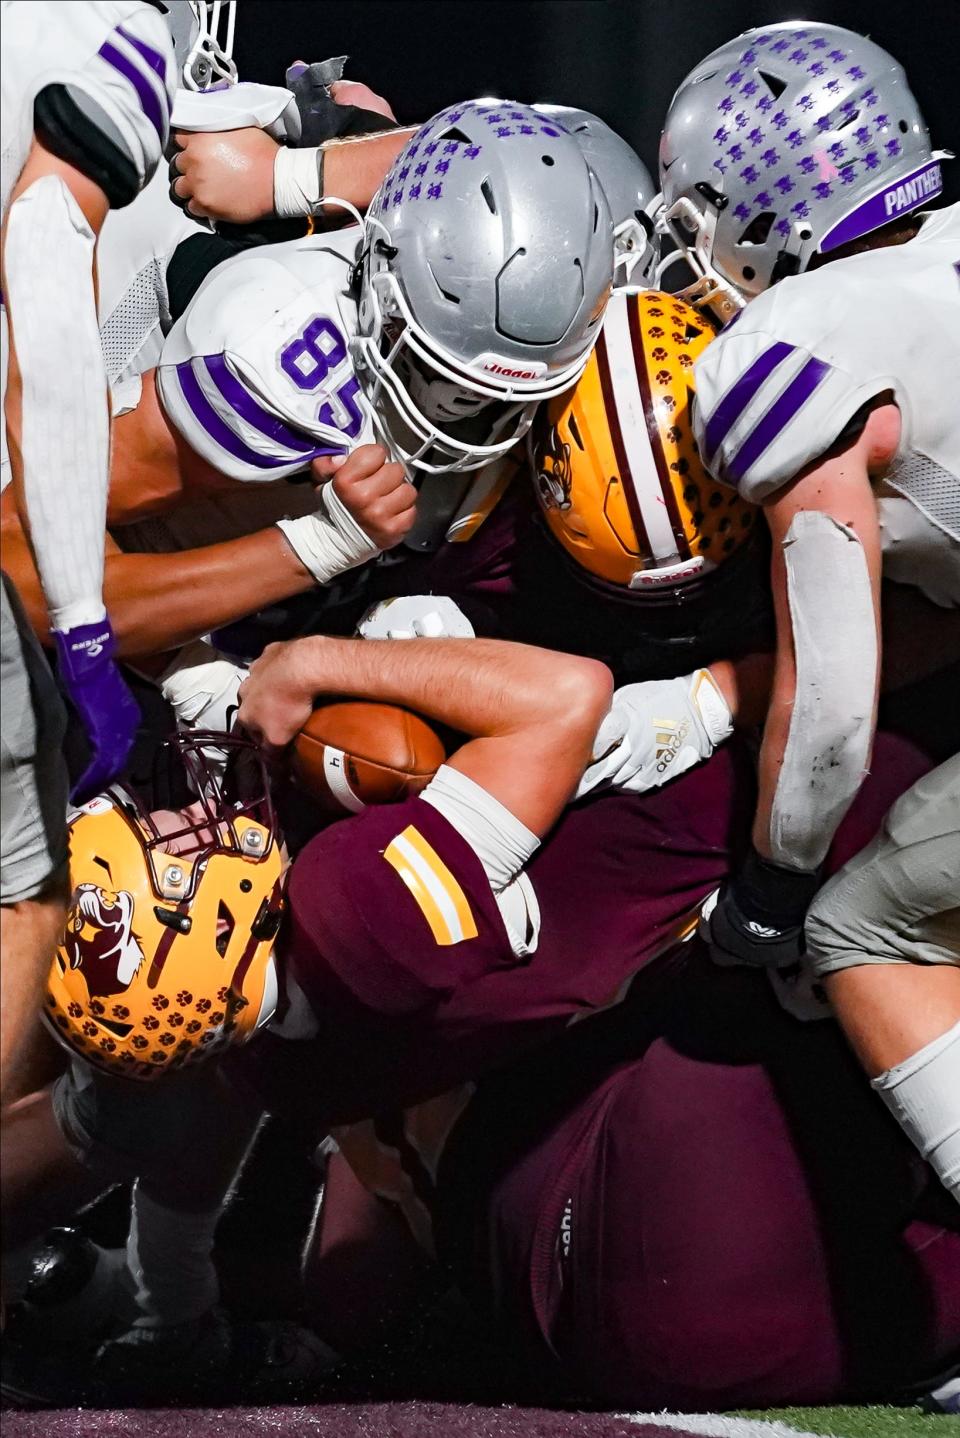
pixel 771 396
pixel 257 374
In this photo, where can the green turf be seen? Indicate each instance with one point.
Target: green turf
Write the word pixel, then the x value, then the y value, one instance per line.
pixel 863 1422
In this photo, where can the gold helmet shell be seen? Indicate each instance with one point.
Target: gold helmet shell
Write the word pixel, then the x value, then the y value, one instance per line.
pixel 619 480
pixel 167 955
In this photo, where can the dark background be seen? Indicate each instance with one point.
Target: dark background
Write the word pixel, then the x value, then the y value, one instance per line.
pixel 622 59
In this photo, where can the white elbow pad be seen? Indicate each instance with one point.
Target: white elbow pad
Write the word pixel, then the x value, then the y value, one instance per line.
pixel 831 727
pixel 48 260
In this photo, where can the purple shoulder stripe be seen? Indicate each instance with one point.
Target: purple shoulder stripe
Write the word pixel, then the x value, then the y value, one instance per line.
pixel 784 409
pixel 147 95
pixel 739 395
pixel 154 59
pixel 240 400
pixel 208 419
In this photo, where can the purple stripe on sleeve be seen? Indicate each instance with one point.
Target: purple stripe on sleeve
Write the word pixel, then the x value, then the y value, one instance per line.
pixel 208 419
pixel 153 57
pixel 149 103
pixel 776 419
pixel 242 401
pixel 739 395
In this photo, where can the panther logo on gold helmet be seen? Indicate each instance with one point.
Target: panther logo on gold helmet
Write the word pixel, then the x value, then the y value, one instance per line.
pixel 618 477
pixel 167 955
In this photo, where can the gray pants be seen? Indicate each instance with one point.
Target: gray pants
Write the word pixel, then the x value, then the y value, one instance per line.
pixel 33 775
pixel 898 901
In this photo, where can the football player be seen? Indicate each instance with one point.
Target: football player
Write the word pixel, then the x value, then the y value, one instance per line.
pixel 828 388
pixel 86 104
pixel 425 944
pixel 150 979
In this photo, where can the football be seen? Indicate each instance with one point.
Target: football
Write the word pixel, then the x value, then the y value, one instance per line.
pixel 354 753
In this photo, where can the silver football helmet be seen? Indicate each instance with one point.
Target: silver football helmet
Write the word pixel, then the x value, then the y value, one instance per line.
pixel 202 33
pixel 486 272
pixel 627 185
pixel 786 143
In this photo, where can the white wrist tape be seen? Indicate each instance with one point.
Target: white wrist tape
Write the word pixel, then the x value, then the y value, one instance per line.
pixel 48 260
pixel 329 541
pixel 297 182
pixel 201 687
pixel 655 731
pixel 923 1094
pixel 831 726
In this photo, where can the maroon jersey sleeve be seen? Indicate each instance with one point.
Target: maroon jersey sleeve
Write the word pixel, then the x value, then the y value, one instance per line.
pixel 397 904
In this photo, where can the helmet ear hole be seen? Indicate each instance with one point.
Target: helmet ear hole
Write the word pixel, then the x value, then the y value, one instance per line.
pixel 757 231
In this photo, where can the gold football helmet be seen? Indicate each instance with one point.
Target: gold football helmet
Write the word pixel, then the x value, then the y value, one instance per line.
pixel 618 476
pixel 167 956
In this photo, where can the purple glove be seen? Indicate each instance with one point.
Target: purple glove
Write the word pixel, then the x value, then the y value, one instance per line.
pixel 107 709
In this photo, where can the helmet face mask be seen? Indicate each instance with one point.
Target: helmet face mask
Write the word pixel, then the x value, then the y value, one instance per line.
pixel 619 481
pixel 203 32
pixel 784 144
pixel 484 285
pixel 167 957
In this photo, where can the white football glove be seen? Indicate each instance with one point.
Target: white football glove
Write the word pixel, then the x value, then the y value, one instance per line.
pixel 329 541
pixel 416 616
pixel 655 731
pixel 201 687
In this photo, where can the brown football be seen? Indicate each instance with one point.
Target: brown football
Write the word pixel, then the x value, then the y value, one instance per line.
pixel 354 753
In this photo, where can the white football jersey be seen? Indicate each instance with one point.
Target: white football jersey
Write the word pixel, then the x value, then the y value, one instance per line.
pixel 135 247
pixel 777 387
pixel 115 57
pixel 256 374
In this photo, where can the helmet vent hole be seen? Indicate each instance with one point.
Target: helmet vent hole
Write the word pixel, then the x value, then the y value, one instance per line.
pixel 758 230
pixel 774 84
pixel 447 294
pixel 749 272
pixel 574 430
pixel 226 924
pixel 547 160
pixel 903 127
pixel 104 865
pixel 596 218
pixel 486 190
pixel 848 120
pixel 455 134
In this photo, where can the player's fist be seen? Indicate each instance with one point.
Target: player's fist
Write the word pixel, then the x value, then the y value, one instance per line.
pixel 377 494
pixel 224 175
pixel 276 698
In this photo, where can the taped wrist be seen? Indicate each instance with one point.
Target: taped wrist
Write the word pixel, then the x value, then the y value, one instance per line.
pixel 330 541
pixel 768 894
pixel 297 182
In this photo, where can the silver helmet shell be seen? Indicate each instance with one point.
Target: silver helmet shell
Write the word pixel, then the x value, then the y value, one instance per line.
pixel 791 140
pixel 627 185
pixel 202 32
pixel 488 265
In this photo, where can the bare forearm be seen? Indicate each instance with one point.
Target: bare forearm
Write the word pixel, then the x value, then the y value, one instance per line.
pixel 479 687
pixel 531 714
pixel 157 602
pixel 745 684
pixel 354 169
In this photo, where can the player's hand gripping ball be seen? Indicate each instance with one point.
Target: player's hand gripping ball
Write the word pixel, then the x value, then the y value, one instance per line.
pixel 355 753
